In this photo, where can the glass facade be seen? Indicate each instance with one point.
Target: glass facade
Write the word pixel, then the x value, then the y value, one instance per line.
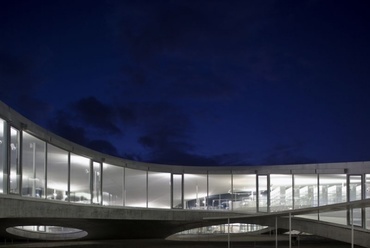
pixel 112 185
pixel 57 173
pixel 367 196
pixel 39 169
pixel 195 191
pixel 244 191
pixel 263 193
pixel 33 166
pixel 333 189
pixel 305 191
pixel 355 194
pixel 3 156
pixel 281 192
pixel 177 191
pixel 96 183
pixel 159 190
pixel 14 153
pixel 80 174
pixel 135 188
pixel 219 192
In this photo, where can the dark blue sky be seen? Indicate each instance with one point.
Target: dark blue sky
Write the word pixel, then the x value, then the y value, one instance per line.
pixel 194 82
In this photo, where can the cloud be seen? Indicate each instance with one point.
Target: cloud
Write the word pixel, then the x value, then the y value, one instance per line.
pixel 103 146
pixel 163 130
pixel 166 133
pixel 287 154
pixel 93 113
pixel 189 50
pixel 178 157
pixel 149 28
pixel 164 126
pixel 126 115
pixel 18 82
pixel 87 122
pixel 60 125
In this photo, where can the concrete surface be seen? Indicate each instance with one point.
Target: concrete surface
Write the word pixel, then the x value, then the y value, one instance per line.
pixel 106 223
pixel 155 243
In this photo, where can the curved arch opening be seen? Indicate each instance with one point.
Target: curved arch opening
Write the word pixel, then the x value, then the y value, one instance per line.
pixel 41 232
pixel 233 228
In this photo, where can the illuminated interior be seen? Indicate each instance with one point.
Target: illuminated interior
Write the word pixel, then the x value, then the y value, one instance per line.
pixel 40 168
pixel 3 167
pixel 47 232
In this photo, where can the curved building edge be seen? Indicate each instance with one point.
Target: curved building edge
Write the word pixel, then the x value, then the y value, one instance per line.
pixel 22 123
pixel 27 177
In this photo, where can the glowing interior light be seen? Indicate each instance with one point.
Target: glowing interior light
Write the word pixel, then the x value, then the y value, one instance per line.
pixel 47 232
pixel 80 160
pixel 13 147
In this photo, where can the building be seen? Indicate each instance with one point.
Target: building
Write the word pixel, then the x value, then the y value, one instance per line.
pixel 40 169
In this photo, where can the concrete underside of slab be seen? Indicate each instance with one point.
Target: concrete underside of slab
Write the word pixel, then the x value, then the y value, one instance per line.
pixel 108 223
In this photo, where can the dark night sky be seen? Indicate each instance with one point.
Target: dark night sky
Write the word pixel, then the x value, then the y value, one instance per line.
pixel 194 82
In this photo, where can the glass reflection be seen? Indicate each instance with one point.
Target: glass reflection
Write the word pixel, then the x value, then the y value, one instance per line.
pixel 3 157
pixel 112 185
pixel 244 191
pixel 219 192
pixel 305 191
pixel 80 180
pixel 263 193
pixel 333 189
pixel 355 194
pixel 57 173
pixel 177 191
pixel 367 195
pixel 159 189
pixel 195 191
pixel 135 188
pixel 14 161
pixel 96 183
pixel 281 192
pixel 33 166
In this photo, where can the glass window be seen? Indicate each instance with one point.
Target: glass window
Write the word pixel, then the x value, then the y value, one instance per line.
pixel 33 166
pixel 219 192
pixel 281 192
pixel 367 190
pixel 305 191
pixel 96 183
pixel 14 161
pixel 3 157
pixel 355 194
pixel 367 195
pixel 159 190
pixel 332 189
pixel 112 185
pixel 135 188
pixel 177 191
pixel 80 180
pixel 244 191
pixel 355 187
pixel 195 191
pixel 263 193
pixel 57 173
